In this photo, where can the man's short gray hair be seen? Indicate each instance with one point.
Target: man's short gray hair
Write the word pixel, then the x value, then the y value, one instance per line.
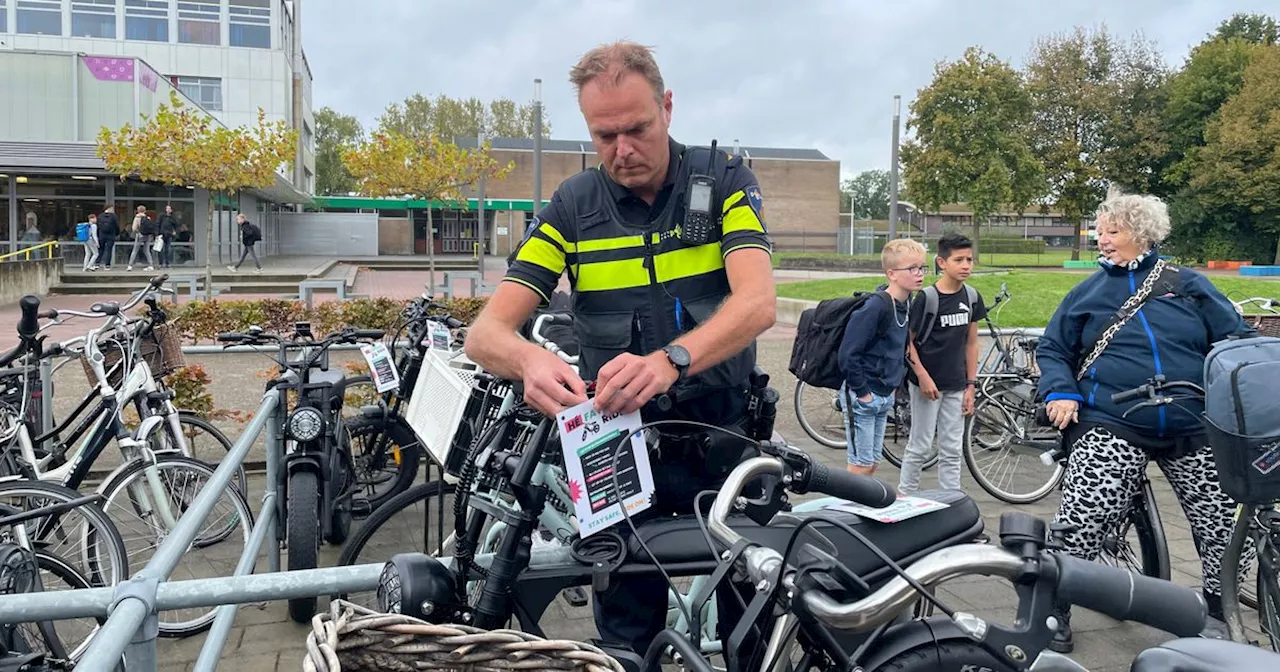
pixel 615 61
pixel 1145 216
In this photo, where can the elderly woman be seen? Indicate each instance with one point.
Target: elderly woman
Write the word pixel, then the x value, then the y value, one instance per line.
pixel 1169 335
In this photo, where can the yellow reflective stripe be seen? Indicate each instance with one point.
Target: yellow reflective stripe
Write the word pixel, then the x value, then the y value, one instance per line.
pixel 529 285
pixel 550 232
pixel 733 198
pixel 742 219
pixel 610 244
pixel 688 262
pixel 604 276
pixel 744 246
pixel 544 254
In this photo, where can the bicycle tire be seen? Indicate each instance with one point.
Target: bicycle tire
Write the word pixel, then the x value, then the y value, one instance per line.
pixel 969 449
pixel 1153 547
pixel 946 655
pixel 1269 601
pixel 97 517
pixel 401 437
pixel 805 425
pixel 120 480
pixel 190 418
pixel 58 566
pixel 303 536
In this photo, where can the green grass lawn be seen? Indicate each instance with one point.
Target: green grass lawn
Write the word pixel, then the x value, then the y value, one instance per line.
pixel 1035 294
pixel 1049 259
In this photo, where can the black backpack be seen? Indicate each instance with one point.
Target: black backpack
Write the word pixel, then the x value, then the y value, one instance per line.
pixel 815 357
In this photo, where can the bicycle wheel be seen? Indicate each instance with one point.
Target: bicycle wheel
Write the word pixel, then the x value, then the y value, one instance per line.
pixel 145 517
pixel 1140 526
pixel 212 451
pixel 85 535
pixel 386 453
pixel 818 412
pixel 947 655
pixel 898 431
pixel 1011 471
pixel 74 635
pixel 1268 594
pixel 389 529
pixel 302 536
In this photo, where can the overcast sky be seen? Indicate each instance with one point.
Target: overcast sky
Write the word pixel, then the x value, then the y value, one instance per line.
pixel 793 73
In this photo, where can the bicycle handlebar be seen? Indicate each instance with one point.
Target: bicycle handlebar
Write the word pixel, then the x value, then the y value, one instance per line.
pixel 1128 596
pixel 1154 391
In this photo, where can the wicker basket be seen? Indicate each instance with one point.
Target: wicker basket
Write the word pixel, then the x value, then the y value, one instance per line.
pixel 162 349
pixel 1267 325
pixel 351 638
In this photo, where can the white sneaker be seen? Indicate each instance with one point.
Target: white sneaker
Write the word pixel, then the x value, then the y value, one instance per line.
pixel 257 270
pixel 149 268
pixel 231 268
pixel 128 268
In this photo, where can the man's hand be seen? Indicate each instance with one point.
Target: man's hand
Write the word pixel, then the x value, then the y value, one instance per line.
pixel 968 400
pixel 867 399
pixel 550 385
pixel 927 387
pixel 627 382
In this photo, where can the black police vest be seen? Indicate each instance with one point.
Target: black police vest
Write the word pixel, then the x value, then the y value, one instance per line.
pixel 637 288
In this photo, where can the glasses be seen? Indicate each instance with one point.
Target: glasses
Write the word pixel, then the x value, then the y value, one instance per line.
pixel 914 270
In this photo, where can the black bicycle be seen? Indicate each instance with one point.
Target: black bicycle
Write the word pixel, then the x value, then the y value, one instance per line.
pixel 318 475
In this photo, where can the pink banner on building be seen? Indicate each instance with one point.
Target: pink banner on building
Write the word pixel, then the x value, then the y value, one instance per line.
pixel 109 69
pixel 147 76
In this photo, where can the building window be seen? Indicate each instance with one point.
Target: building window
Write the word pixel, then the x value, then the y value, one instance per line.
pixel 207 91
pixel 146 20
pixel 198 22
pixel 4 28
pixel 250 23
pixel 93 18
pixel 40 17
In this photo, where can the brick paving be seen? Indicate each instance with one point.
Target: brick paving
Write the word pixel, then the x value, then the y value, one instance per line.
pixel 263 639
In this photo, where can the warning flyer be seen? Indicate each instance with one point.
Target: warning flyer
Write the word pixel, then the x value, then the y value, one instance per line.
pixel 589 440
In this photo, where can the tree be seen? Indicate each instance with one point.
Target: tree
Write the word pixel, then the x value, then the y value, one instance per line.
pixel 390 164
pixel 1212 74
pixel 421 117
pixel 1240 164
pixel 1096 105
pixel 184 146
pixel 334 133
pixel 1253 28
pixel 866 195
pixel 970 140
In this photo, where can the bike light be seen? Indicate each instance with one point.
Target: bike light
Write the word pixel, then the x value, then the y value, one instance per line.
pixel 305 423
pixel 418 585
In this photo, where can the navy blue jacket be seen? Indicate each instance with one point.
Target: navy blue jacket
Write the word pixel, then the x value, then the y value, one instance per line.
pixel 873 352
pixel 1169 336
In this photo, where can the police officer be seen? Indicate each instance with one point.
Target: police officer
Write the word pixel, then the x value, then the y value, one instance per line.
pixel 658 310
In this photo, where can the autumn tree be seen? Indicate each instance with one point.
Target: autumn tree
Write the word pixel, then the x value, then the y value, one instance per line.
pixel 1096 104
pixel 390 164
pixel 970 141
pixel 1253 28
pixel 866 195
pixel 421 117
pixel 184 146
pixel 335 133
pixel 1239 166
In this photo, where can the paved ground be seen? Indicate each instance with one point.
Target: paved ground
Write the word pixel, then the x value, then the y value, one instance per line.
pixel 263 639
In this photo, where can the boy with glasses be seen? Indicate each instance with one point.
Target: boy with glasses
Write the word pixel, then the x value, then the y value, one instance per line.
pixel 872 354
pixel 943 365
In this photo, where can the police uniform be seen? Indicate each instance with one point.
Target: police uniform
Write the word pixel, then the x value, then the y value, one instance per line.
pixel 636 288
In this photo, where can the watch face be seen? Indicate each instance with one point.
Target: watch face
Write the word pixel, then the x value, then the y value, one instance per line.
pixel 678 355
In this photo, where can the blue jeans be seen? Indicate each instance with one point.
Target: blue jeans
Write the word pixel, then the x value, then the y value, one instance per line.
pixel 864 426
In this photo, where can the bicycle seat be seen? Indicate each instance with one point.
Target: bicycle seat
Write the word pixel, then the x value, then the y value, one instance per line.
pixel 679 539
pixel 1204 655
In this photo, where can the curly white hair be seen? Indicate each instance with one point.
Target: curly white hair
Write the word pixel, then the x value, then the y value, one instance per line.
pixel 1145 217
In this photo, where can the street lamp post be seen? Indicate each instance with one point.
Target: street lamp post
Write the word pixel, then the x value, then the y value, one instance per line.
pixel 537 145
pixel 893 173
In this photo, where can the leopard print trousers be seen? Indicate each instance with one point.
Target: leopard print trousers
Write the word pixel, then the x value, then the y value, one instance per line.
pixel 1102 479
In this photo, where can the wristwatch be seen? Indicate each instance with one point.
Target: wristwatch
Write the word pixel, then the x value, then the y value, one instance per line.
pixel 970 383
pixel 679 358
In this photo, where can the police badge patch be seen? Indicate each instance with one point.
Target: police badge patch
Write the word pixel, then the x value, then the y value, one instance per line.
pixel 756 199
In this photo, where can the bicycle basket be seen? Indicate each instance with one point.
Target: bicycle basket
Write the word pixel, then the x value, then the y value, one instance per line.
pixel 483 406
pixel 162 350
pixel 437 405
pixel 352 637
pixel 1266 325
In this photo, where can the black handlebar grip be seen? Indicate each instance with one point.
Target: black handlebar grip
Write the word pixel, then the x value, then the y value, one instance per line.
pixel 107 308
pixel 1042 417
pixel 1129 395
pixel 368 333
pixel 53 349
pixel 159 280
pixel 231 337
pixel 29 324
pixel 865 490
pixel 1128 596
pixel 454 323
pixel 51 314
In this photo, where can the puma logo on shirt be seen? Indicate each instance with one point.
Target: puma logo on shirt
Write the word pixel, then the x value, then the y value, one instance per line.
pixel 956 319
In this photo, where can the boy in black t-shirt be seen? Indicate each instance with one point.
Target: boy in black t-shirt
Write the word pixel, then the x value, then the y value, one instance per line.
pixel 942 365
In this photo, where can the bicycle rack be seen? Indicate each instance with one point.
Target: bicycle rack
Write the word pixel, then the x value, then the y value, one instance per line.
pixel 131 607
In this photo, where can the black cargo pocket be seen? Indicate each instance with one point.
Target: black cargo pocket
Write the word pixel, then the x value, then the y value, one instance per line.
pixel 732 372
pixel 601 337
